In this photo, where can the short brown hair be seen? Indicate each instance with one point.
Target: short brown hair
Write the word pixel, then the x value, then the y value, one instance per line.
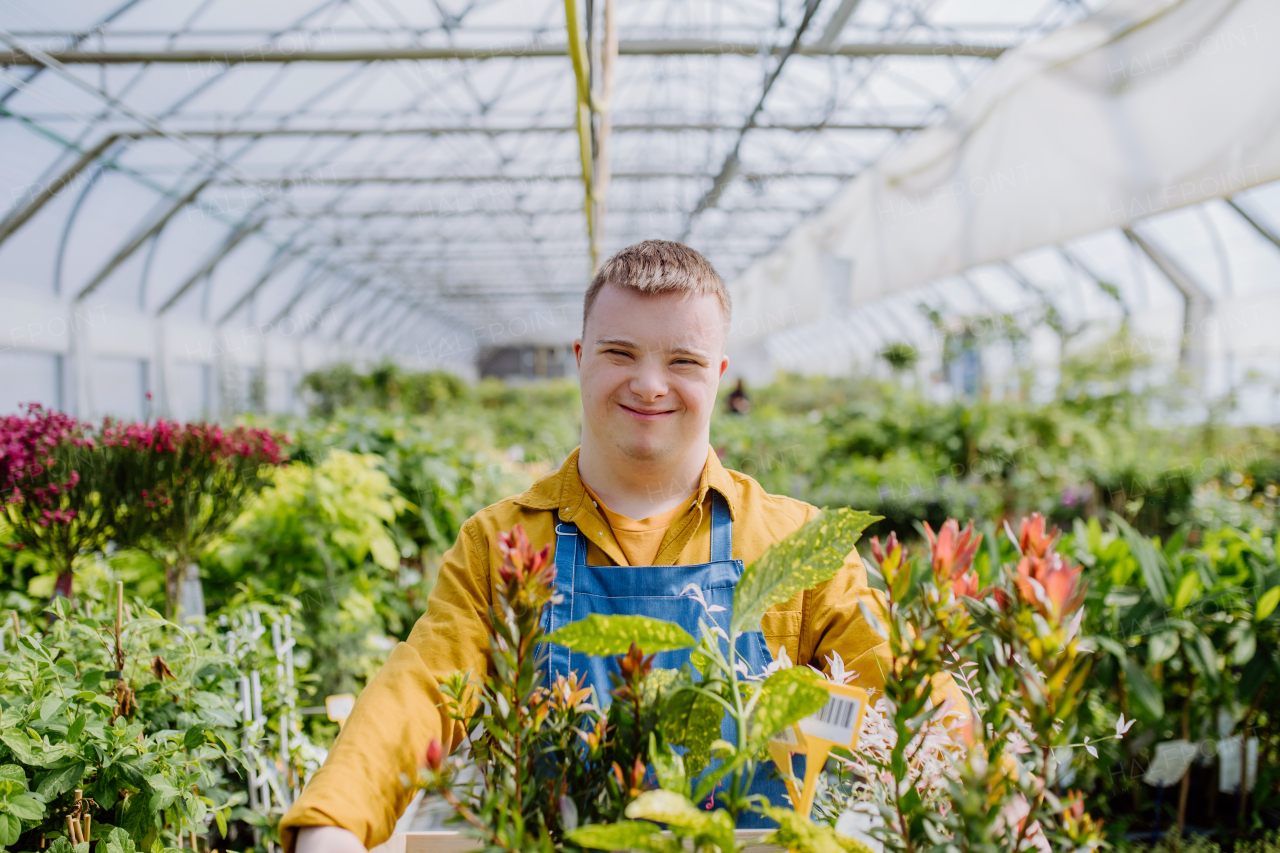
pixel 659 266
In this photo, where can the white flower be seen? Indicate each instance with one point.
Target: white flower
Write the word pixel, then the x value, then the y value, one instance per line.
pixel 857 823
pixel 839 675
pixel 1092 750
pixel 1122 726
pixel 694 592
pixel 697 596
pixel 782 661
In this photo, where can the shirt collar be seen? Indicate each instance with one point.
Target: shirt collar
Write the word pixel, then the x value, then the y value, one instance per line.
pixel 563 491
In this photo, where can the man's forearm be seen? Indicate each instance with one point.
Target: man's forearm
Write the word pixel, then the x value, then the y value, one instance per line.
pixel 327 839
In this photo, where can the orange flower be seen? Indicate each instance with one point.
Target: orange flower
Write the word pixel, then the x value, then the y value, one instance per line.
pixel 567 694
pixel 1033 540
pixel 953 553
pixel 1050 584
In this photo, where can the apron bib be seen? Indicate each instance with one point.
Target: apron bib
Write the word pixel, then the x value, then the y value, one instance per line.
pixel 655 591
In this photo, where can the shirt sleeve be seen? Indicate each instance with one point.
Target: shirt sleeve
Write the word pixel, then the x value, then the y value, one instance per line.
pixel 359 788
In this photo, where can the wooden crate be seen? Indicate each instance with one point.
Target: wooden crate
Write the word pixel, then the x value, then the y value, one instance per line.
pixel 452 842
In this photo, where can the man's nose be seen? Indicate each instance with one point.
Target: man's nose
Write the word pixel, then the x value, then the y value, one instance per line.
pixel 649 381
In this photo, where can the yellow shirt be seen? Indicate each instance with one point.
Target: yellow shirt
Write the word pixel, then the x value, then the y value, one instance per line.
pixel 640 540
pixel 359 786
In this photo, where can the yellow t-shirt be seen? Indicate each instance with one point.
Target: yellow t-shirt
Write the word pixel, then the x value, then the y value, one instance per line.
pixel 640 540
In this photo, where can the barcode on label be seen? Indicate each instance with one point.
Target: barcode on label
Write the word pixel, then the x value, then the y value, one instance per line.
pixel 835 721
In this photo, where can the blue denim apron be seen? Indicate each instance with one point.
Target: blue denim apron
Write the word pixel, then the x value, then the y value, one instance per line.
pixel 656 591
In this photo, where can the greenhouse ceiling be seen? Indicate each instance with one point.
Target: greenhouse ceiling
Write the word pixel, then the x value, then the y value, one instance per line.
pixel 201 190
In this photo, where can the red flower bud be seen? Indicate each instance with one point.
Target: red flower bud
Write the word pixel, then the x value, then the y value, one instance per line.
pixel 435 755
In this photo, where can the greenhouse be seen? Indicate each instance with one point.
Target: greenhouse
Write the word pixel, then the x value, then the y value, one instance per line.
pixel 812 425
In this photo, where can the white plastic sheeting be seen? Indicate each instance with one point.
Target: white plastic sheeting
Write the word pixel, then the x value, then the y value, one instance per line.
pixel 1144 107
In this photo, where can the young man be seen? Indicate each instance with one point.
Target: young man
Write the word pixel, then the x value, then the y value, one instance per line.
pixel 644 493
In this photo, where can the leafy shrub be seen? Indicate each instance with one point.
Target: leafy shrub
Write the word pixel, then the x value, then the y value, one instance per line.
pixel 145 728
pixel 321 536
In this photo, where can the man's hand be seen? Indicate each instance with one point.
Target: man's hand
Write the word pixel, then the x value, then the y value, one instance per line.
pixel 327 839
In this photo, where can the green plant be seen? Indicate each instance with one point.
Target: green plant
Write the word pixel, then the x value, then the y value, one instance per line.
pixel 321 535
pixel 133 712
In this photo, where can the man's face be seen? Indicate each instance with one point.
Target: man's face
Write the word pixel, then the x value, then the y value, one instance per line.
pixel 649 367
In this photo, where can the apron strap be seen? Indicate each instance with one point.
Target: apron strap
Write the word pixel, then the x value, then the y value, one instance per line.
pixel 721 529
pixel 571 551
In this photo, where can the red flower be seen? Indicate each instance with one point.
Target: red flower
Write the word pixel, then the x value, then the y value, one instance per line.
pixel 520 562
pixel 890 546
pixel 435 755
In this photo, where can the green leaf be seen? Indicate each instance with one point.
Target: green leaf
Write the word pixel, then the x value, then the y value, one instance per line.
pixel 26 807
pixel 1267 604
pixel 1155 570
pixel 692 719
pixel 119 841
pixel 60 781
pixel 685 818
pixel 1162 646
pixel 1187 589
pixel 1143 690
pixel 1245 648
pixel 20 744
pixel 222 822
pixel 193 738
pixel 806 558
pixel 668 766
pixel 786 697
pixel 10 829
pixel 624 835
pixel 1203 656
pixel 613 635
pixel 802 835
pixel 76 728
pixel 15 773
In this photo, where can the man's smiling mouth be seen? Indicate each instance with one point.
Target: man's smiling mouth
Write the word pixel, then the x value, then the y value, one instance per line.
pixel 644 415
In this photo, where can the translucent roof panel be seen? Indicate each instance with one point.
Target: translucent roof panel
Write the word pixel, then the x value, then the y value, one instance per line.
pixel 227 163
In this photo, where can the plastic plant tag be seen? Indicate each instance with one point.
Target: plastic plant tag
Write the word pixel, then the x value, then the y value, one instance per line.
pixel 1170 764
pixel 837 723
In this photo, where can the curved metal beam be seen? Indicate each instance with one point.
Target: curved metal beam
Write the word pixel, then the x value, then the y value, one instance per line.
pixel 235 238
pixel 18 218
pixel 140 237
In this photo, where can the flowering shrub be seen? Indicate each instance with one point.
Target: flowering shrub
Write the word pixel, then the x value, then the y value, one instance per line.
pixel 928 776
pixel 50 477
pixel 180 486
pixel 167 488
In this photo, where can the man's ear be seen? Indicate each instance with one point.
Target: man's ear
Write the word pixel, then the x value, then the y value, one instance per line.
pixel 577 353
